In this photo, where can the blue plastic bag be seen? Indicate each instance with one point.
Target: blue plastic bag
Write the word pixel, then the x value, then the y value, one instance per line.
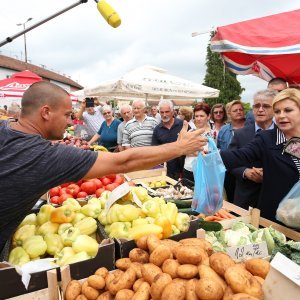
pixel 209 174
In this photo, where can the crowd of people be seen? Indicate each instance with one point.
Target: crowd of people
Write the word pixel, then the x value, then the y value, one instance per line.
pixel 259 172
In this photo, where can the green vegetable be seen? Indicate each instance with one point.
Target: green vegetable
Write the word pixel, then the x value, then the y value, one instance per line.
pixel 210 226
pixel 269 240
pixel 181 203
pixel 290 249
pixel 182 222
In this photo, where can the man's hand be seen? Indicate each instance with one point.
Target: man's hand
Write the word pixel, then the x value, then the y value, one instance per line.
pixel 254 174
pixel 191 142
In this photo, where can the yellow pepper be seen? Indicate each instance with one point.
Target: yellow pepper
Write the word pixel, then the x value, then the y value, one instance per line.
pixel 96 201
pixel 29 220
pixel 80 256
pixel 159 200
pixel 87 244
pixel 63 255
pixel 78 217
pixel 151 208
pixel 166 225
pixel 112 214
pixel 18 256
pixel 70 235
pixel 87 226
pixel 175 230
pixel 182 221
pixel 54 243
pixel 63 214
pixel 102 218
pixel 119 229
pixel 128 212
pixel 44 214
pixel 35 246
pixel 91 210
pixel 63 227
pixel 141 193
pixel 170 211
pixel 74 203
pixel 22 234
pixel 145 229
pixel 48 227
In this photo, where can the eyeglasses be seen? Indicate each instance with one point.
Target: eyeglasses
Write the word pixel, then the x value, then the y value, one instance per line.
pixel 218 112
pixel 263 106
pixel 106 113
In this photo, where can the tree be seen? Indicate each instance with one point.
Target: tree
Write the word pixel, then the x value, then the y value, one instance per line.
pixel 218 77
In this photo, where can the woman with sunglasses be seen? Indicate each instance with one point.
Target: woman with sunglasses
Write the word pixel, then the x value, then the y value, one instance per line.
pixel 281 169
pixel 219 118
pixel 108 132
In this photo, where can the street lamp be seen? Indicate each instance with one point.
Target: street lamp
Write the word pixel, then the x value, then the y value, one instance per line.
pixel 23 24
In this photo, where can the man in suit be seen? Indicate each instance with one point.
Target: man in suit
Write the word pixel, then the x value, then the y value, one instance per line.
pixel 249 178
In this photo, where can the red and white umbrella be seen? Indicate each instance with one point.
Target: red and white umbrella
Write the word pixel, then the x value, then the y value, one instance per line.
pixel 267 47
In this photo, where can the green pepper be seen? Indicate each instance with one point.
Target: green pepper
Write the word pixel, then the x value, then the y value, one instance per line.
pixel 35 246
pixel 54 243
pixel 182 222
pixel 18 256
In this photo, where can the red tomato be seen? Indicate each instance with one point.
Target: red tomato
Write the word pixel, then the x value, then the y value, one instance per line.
pixel 89 187
pixel 119 179
pixel 54 191
pixel 98 183
pixel 64 197
pixel 111 186
pixel 106 181
pixel 82 195
pixel 54 199
pixel 73 189
pixel 63 191
pixel 66 184
pixel 99 192
pixel 111 177
pixel 79 182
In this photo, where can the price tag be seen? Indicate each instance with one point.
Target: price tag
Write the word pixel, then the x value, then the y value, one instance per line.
pixel 116 194
pixel 248 251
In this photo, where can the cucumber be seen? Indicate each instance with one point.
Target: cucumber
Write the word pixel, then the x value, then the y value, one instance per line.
pixel 188 211
pixel 210 226
pixel 181 203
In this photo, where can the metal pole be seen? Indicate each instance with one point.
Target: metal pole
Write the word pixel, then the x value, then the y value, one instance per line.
pixel 25 47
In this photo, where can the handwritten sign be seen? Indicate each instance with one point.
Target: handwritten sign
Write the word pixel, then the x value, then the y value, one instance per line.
pixel 248 251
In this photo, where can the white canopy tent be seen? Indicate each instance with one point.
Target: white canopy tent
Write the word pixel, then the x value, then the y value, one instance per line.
pixel 149 82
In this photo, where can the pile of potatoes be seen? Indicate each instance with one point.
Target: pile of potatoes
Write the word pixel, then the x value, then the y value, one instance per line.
pixel 170 270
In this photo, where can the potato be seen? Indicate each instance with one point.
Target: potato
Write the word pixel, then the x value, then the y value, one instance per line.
pixel 205 261
pixel 181 281
pixel 102 272
pixel 160 254
pixel 158 284
pixel 137 267
pixel 228 293
pixel 125 281
pixel 207 272
pixel 258 267
pixel 243 296
pixel 209 289
pixel 96 281
pixel 112 275
pixel 170 267
pixel 139 255
pixel 149 271
pixel 124 294
pixel 172 291
pixel 143 292
pixel 187 271
pixel 82 297
pixel 259 279
pixel 220 262
pixel 105 296
pixel 88 291
pixel 137 284
pixel 152 242
pixel 123 263
pixel 73 290
pixel 190 290
pixel 242 281
pixel 205 245
pixel 171 244
pixel 142 242
pixel 190 254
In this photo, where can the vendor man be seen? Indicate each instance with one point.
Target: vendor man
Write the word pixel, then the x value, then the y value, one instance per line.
pixel 31 164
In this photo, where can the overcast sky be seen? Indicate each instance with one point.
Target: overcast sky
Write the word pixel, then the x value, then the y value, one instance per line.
pixel 80 44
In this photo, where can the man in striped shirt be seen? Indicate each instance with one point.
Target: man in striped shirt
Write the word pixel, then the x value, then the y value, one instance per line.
pixel 138 131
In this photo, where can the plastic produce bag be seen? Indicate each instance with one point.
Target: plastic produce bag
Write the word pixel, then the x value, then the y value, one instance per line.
pixel 209 174
pixel 288 211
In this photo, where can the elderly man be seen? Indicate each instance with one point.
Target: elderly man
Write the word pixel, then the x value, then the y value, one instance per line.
pixel 126 114
pixel 167 132
pixel 155 114
pixel 249 178
pixel 91 115
pixel 138 131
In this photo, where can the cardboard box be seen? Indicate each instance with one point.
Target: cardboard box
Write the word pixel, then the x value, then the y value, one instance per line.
pixel 160 171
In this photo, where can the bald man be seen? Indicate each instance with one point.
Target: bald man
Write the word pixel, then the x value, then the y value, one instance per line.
pixel 31 164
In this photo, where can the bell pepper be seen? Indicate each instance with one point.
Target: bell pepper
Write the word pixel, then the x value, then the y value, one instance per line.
pixel 141 193
pixel 102 218
pixel 182 222
pixel 63 255
pixel 107 229
pixel 166 225
pixel 22 234
pixel 78 217
pixel 29 220
pixel 70 235
pixel 96 201
pixel 35 246
pixel 175 230
pixel 128 213
pixel 112 214
pixel 119 229
pixel 63 214
pixel 145 229
pixel 93 235
pixel 170 211
pixel 105 195
pixel 54 243
pixel 74 203
pixel 91 210
pixel 140 221
pixel 18 256
pixel 80 256
pixel 128 197
pixel 87 244
pixel 159 200
pixel 87 226
pixel 44 214
pixel 151 208
pixel 63 227
pixel 48 227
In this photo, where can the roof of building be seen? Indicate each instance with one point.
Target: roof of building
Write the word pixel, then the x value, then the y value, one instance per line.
pixel 18 65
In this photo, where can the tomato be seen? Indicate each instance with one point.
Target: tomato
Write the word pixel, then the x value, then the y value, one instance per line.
pixel 79 182
pixel 73 189
pixel 106 181
pixel 54 191
pixel 89 187
pixel 66 184
pixel 64 197
pixel 82 195
pixel 99 192
pixel 119 179
pixel 54 199
pixel 111 186
pixel 111 177
pixel 98 183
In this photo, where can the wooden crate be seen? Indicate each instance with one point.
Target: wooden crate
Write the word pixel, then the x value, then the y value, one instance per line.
pixel 146 173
